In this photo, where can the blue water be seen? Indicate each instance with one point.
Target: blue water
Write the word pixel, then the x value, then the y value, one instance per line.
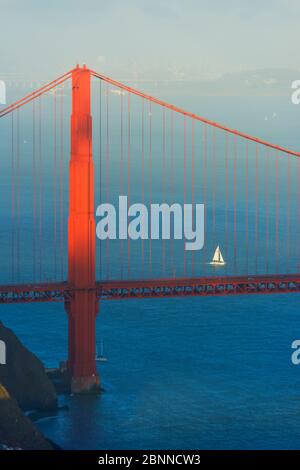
pixel 210 373
pixel 193 373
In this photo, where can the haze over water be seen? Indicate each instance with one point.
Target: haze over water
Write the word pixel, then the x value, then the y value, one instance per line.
pixel 185 373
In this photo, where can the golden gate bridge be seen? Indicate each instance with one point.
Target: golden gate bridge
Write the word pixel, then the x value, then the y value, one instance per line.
pixel 259 187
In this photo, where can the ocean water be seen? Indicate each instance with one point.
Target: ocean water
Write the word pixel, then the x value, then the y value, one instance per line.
pixel 200 373
pixel 189 373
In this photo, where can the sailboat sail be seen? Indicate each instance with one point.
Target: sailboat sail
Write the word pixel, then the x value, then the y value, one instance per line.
pixel 101 357
pixel 218 258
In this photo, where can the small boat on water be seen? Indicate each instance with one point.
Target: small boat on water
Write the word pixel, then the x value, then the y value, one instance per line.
pixel 100 357
pixel 218 259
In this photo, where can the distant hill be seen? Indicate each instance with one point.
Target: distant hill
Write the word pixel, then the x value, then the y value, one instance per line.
pixel 263 82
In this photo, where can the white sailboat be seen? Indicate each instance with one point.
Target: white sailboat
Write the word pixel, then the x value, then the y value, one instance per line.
pixel 218 259
pixel 101 357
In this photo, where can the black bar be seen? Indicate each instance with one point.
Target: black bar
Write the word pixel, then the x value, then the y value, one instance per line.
pixel 133 459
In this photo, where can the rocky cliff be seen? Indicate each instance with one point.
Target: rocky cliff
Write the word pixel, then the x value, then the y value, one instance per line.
pixel 24 375
pixel 24 385
pixel 16 430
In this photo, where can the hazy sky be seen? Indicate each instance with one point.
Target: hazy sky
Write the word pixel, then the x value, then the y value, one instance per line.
pixel 148 38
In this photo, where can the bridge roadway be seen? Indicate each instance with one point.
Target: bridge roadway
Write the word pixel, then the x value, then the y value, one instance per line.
pixel 155 288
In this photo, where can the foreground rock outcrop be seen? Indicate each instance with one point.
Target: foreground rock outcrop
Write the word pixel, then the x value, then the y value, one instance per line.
pixel 24 377
pixel 24 385
pixel 16 430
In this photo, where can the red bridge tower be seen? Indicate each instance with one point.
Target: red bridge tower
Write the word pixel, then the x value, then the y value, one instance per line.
pixel 83 307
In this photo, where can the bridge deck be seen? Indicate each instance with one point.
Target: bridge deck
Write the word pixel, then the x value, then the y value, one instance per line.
pixel 152 288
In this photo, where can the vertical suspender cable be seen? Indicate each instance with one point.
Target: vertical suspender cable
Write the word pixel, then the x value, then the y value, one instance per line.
pixel 276 209
pixel 256 207
pixel 34 191
pixel 122 175
pixel 226 198
pixel 288 223
pixel 247 205
pixel 61 192
pixel 12 200
pixel 184 179
pixel 100 170
pixel 143 178
pixel 214 183
pixel 40 194
pixel 234 204
pixel 267 208
pixel 204 181
pixel 150 182
pixel 54 183
pixel 18 197
pixel 107 176
pixel 163 178
pixel 298 205
pixel 171 182
pixel 193 187
pixel 128 172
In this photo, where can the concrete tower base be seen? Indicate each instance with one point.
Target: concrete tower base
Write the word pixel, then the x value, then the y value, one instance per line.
pixel 86 385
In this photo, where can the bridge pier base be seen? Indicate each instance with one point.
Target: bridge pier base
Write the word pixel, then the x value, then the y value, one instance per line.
pixel 81 364
pixel 85 385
